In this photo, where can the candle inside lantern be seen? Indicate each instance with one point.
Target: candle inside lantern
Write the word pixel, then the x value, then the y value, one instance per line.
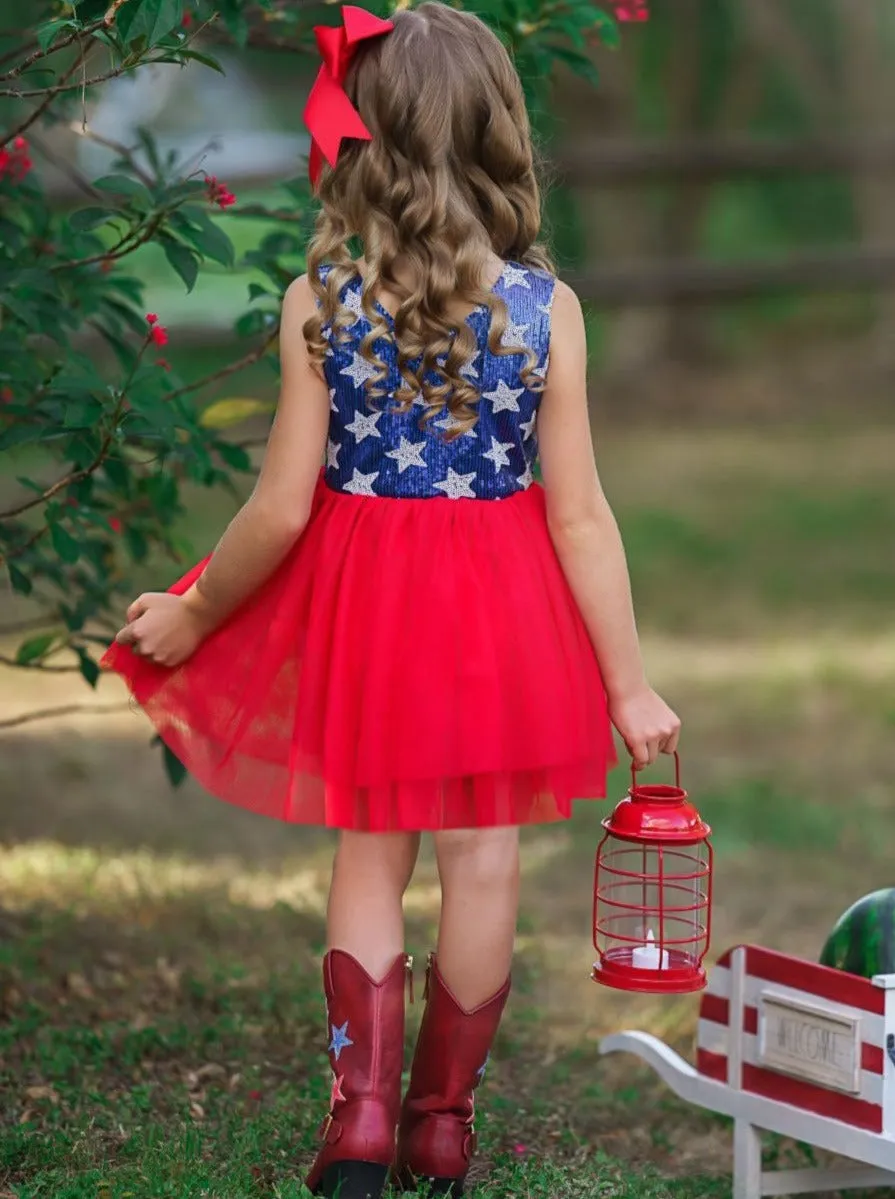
pixel 649 956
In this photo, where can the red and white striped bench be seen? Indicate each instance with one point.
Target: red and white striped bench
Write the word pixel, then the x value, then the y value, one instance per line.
pixel 787 1046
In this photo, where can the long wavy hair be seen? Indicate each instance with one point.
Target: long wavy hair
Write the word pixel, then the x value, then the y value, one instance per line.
pixel 448 179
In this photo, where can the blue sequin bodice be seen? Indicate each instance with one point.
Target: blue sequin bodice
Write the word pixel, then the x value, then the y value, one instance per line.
pixel 375 450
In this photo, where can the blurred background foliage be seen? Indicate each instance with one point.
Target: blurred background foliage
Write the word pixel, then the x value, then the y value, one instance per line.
pixel 721 191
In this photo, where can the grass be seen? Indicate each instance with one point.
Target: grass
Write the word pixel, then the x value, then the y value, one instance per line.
pixel 160 1019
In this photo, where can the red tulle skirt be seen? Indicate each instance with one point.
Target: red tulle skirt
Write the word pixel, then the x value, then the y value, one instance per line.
pixel 411 665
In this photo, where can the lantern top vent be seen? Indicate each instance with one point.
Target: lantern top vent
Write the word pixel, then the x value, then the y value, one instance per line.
pixel 657 812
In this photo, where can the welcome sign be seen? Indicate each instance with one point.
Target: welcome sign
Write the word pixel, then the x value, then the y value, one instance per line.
pixel 810 1042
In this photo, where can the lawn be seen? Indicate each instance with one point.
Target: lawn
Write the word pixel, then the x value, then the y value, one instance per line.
pixel 161 1027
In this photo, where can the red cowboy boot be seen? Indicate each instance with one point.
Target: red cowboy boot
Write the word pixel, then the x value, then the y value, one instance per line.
pixel 366 1050
pixel 436 1137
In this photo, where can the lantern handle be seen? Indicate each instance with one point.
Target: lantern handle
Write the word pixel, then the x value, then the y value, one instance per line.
pixel 677 772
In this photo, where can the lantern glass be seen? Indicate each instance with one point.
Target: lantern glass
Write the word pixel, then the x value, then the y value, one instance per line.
pixel 653 894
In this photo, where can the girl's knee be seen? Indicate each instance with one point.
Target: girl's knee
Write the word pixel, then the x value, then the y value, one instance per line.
pixel 478 856
pixel 390 852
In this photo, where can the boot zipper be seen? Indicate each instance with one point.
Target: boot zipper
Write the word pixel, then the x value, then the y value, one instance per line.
pixel 408 967
pixel 430 958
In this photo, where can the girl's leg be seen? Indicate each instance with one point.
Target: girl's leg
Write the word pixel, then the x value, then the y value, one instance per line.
pixel 365 915
pixel 479 872
pixel 364 975
pixel 467 987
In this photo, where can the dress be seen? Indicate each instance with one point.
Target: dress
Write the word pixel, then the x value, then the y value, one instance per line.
pixel 418 661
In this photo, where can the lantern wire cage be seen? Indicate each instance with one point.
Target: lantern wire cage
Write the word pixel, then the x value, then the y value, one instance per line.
pixel 652 913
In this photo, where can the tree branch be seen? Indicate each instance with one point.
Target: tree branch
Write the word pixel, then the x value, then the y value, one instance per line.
pixel 4 661
pixel 77 475
pixel 62 710
pixel 66 168
pixel 247 360
pixel 126 153
pixel 120 250
pixel 74 36
pixel 271 214
pixel 81 85
pixel 43 106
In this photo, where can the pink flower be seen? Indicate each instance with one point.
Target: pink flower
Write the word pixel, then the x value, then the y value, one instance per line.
pixel 159 335
pixel 186 20
pixel 151 318
pixel 219 193
pixel 16 163
pixel 115 524
pixel 520 1149
pixel 633 10
pixel 255 1096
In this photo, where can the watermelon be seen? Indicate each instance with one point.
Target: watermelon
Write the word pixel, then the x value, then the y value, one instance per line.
pixel 863 940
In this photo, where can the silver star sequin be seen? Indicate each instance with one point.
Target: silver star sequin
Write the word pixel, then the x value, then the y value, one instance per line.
pixel 360 370
pixel 514 336
pixel 498 453
pixel 364 426
pixel 514 276
pixel 456 487
pixel 332 455
pixel 408 454
pixel 449 423
pixel 360 484
pixel 504 398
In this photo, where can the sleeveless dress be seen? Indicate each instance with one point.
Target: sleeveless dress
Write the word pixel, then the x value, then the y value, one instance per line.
pixel 418 661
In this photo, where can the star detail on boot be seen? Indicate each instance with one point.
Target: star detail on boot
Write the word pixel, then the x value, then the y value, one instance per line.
pixel 336 1096
pixel 480 1073
pixel 340 1040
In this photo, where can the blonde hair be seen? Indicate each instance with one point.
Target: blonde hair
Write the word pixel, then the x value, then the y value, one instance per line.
pixel 448 179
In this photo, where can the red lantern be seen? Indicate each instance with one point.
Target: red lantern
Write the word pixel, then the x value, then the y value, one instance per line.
pixel 653 892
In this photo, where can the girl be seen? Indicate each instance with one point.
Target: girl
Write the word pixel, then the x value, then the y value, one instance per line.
pixel 422 638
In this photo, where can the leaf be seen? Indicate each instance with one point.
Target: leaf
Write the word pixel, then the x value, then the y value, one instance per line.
pixel 151 19
pixel 196 226
pixel 256 320
pixel 235 20
pixel 89 668
pixel 118 474
pixel 64 544
pixel 608 29
pixel 34 647
pixel 174 768
pixel 136 543
pixel 579 63
pixel 46 34
pixel 183 260
pixel 205 59
pixel 223 414
pixel 234 455
pixel 89 218
pixel 256 290
pixel 18 580
pixel 123 185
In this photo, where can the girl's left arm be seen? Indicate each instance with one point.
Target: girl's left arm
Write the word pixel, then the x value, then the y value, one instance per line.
pixel 272 519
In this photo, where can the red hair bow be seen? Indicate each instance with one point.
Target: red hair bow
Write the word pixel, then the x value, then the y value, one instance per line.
pixel 329 114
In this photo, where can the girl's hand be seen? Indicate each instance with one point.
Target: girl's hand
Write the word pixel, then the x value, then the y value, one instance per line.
pixel 164 628
pixel 646 724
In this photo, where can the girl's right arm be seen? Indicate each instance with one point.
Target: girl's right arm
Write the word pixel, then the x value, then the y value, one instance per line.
pixel 587 540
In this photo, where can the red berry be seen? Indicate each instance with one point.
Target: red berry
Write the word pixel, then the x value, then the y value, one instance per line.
pixel 151 317
pixel 159 335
